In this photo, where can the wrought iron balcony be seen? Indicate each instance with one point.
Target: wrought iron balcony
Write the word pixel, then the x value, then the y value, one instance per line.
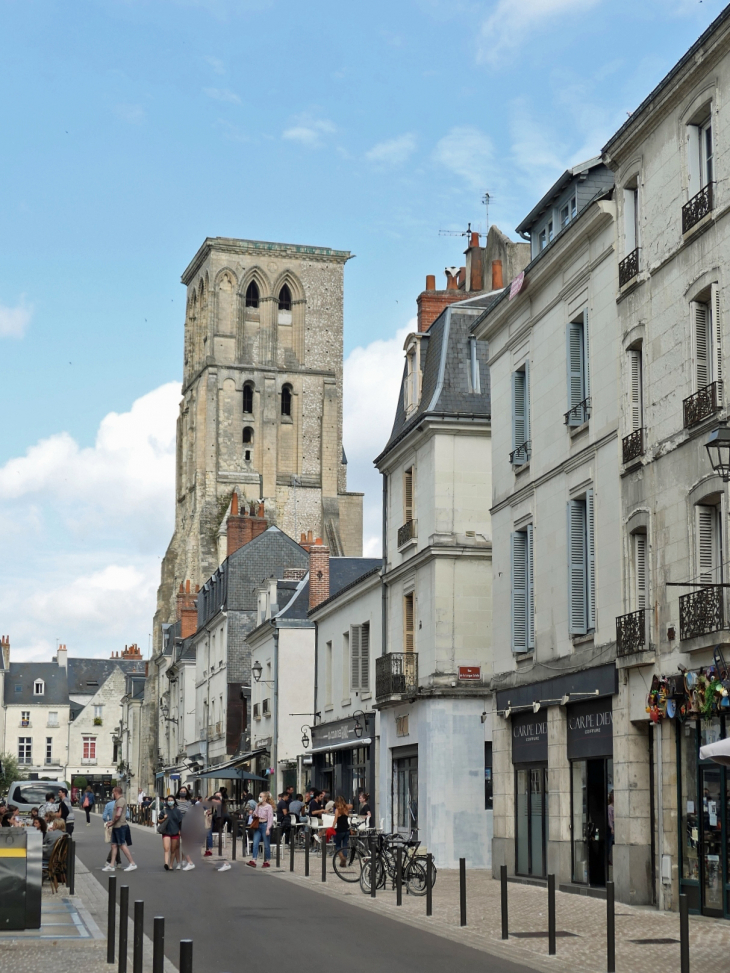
pixel 407 532
pixel 521 455
pixel 633 445
pixel 703 403
pixel 697 207
pixel 579 413
pixel 631 632
pixel 701 612
pixel 628 268
pixel 396 674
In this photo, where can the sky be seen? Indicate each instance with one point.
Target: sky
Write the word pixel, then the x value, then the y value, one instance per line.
pixel 133 129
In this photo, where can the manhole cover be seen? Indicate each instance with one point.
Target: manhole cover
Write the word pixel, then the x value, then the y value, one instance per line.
pixel 560 934
pixel 653 942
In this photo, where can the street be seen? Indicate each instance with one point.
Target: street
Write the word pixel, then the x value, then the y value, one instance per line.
pixel 251 916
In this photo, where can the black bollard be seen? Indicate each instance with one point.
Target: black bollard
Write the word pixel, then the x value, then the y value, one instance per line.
pixel 71 867
pixel 551 915
pixel 684 933
pixel 158 945
pixel 399 875
pixel 610 929
pixel 373 869
pixel 462 890
pixel 505 915
pixel 307 839
pixel 429 885
pixel 291 851
pixel 324 859
pixel 234 838
pixel 111 919
pixel 278 847
pixel 186 956
pixel 123 920
pixel 137 954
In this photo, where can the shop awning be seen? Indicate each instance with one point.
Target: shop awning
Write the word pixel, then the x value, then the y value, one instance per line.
pixel 347 745
pixel 230 773
pixel 718 752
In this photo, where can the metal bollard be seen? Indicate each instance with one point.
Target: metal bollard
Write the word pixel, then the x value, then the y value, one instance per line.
pixel 71 867
pixel 137 955
pixel 505 914
pixel 551 915
pixel 291 851
pixel 186 956
pixel 429 885
pixel 610 929
pixel 220 847
pixel 111 920
pixel 123 920
pixel 684 933
pixel 234 838
pixel 307 839
pixel 278 847
pixel 462 890
pixel 324 859
pixel 373 869
pixel 158 945
pixel 399 875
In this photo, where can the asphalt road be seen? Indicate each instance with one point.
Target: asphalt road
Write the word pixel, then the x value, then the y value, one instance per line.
pixel 244 916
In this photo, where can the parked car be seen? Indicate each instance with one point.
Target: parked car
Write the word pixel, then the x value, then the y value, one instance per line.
pixel 27 794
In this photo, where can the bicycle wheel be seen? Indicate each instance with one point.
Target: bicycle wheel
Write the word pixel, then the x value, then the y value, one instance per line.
pixel 350 870
pixel 416 879
pixel 365 875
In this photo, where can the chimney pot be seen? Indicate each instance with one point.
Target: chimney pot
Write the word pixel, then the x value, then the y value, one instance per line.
pixel 319 573
pixel 497 280
pixel 474 240
pixel 430 282
pixel 234 504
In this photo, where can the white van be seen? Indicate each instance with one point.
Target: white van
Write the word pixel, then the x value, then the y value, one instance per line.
pixel 27 794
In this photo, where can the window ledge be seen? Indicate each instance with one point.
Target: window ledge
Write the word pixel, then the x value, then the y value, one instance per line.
pixel 521 469
pixel 584 639
pixel 286 419
pixel 328 708
pixel 579 430
pixel 366 696
pixel 346 702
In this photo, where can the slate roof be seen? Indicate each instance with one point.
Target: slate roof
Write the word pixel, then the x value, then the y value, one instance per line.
pixel 24 674
pixel 375 563
pixel 445 363
pixel 562 183
pixel 344 572
pixel 81 672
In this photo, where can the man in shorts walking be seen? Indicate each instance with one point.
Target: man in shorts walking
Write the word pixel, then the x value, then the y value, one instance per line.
pixel 119 827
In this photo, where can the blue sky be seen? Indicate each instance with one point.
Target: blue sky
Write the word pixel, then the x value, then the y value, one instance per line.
pixel 136 128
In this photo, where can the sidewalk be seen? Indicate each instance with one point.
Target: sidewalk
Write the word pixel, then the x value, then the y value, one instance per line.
pixel 644 937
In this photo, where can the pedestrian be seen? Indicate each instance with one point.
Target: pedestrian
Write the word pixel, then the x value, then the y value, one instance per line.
pixel 208 804
pixel 364 810
pixel 87 803
pixel 106 816
pixel 188 833
pixel 611 826
pixel 342 827
pixel 295 808
pixel 263 819
pixel 50 806
pixel 169 827
pixel 66 810
pixel 283 818
pixel 120 831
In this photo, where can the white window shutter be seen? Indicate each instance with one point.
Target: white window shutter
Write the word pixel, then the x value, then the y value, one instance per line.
pixel 716 334
pixel 575 370
pixel 629 221
pixel 526 373
pixel 701 337
pixel 636 390
pixel 408 495
pixel 530 578
pixel 365 656
pixel 693 160
pixel 640 569
pixel 355 657
pixel 706 538
pixel 518 558
pixel 577 620
pixel 586 357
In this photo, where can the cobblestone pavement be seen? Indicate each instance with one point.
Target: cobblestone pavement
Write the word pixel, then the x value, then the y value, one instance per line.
pixel 580 920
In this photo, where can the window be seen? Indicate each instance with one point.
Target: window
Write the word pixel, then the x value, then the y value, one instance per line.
pixel 488 776
pixel 639 564
pixel 252 294
pixel 256 711
pixel 285 299
pixel 412 384
pixel 546 235
pixel 401 726
pixel 25 717
pixel 631 219
pixel 98 711
pixel 360 657
pixel 49 750
pixel 709 545
pixel 706 160
pixel 25 750
pixel 581 566
pixel 248 398
pixel 521 445
pixel 286 396
pixel 567 213
pixel 408 495
pixel 328 674
pixel 89 748
pixel 579 390
pixel 408 619
pixel 53 718
pixel 636 408
pixel 707 335
pixel 38 687
pixel 266 707
pixel 248 435
pixel 523 597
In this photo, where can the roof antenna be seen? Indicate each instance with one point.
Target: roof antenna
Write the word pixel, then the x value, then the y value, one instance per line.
pixel 467 232
pixel 486 199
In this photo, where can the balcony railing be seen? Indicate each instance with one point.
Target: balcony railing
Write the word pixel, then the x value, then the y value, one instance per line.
pixel 631 632
pixel 703 403
pixel 579 414
pixel 407 532
pixel 697 207
pixel 396 674
pixel 633 445
pixel 701 612
pixel 521 455
pixel 628 268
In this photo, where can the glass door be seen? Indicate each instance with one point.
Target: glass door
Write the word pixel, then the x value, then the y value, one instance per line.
pixel 405 795
pixel 592 821
pixel 531 821
pixel 711 841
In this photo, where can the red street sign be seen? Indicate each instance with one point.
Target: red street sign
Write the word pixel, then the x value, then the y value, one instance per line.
pixel 517 284
pixel 470 672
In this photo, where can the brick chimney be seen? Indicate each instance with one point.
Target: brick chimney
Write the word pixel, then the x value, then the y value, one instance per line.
pixel 307 540
pixel 187 612
pixel 319 573
pixel 431 302
pixel 242 528
pixel 5 645
pixel 62 657
pixel 130 652
pixel 474 264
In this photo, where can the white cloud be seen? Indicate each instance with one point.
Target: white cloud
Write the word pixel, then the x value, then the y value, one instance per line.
pixel 15 320
pixel 222 94
pixel 216 64
pixel 512 21
pixel 309 130
pixel 372 376
pixel 393 152
pixel 134 114
pixel 468 153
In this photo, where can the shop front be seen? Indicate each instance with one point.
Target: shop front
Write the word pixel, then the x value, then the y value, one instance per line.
pixel 530 760
pixel 343 757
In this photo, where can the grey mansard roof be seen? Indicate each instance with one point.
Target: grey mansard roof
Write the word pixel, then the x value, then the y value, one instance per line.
pixel 85 676
pixel 24 674
pixel 445 386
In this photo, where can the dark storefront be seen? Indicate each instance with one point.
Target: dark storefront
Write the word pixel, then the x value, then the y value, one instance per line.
pixel 343 757
pixel 529 756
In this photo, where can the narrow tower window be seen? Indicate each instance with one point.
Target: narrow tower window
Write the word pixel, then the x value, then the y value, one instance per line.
pixel 286 400
pixel 252 295
pixel 285 298
pixel 248 398
pixel 248 435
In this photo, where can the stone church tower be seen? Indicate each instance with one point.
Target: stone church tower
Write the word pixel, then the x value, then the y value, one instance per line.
pixel 261 412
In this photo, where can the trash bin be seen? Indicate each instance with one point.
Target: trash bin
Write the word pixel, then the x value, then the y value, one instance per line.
pixel 21 876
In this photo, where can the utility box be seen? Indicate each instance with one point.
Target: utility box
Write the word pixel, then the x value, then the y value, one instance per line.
pixel 21 877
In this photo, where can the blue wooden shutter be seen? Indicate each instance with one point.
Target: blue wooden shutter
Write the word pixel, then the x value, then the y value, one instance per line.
pixel 576 567
pixel 530 578
pixel 528 431
pixel 590 560
pixel 518 570
pixel 518 417
pixel 586 359
pixel 576 387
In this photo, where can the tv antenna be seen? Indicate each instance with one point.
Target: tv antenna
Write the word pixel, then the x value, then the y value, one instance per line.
pixel 486 199
pixel 467 232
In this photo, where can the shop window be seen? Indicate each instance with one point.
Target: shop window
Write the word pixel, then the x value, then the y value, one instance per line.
pixel 581 566
pixel 523 596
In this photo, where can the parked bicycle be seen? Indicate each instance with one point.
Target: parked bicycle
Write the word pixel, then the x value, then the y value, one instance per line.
pixel 413 868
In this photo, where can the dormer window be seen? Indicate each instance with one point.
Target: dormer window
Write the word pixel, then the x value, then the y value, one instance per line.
pixel 567 212
pixel 546 235
pixel 412 384
pixel 39 687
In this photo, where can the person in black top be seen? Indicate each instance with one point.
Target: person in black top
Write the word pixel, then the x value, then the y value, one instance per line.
pixel 364 810
pixel 342 827
pixel 283 817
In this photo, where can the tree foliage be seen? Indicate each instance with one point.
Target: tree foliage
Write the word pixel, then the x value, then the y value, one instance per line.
pixel 10 770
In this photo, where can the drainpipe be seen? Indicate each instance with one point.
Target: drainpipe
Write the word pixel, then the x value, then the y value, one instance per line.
pixel 652 815
pixel 275 740
pixel 657 728
pixel 383 588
